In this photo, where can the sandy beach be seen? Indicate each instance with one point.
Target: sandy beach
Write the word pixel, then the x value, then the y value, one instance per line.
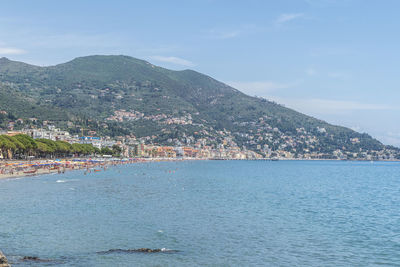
pixel 17 174
pixel 23 168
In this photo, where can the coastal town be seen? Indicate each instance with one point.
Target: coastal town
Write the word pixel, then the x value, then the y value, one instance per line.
pixel 199 133
pixel 194 147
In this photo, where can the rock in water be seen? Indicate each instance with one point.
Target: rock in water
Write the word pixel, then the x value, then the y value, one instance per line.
pixel 34 258
pixel 3 260
pixel 138 250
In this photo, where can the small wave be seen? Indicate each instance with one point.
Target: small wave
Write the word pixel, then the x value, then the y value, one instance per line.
pixel 66 181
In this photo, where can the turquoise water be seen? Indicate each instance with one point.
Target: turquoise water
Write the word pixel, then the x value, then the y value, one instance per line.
pixel 214 213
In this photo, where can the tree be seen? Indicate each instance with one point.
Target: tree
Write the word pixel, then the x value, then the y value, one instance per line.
pixel 116 150
pixel 16 146
pixel 24 145
pixel 63 148
pixel 106 151
pixel 28 142
pixel 6 147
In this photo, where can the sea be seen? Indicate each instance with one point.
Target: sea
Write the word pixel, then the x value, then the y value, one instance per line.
pixel 206 213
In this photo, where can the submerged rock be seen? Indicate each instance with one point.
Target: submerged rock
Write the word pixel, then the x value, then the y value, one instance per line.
pixel 138 250
pixel 34 258
pixel 3 260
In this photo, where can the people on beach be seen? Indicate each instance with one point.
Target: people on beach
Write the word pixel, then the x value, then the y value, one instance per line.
pixel 24 168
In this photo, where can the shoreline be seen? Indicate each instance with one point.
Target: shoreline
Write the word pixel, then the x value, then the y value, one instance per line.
pixel 11 169
pixel 294 159
pixel 26 168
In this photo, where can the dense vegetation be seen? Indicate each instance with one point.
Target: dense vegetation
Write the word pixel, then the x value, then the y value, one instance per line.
pixel 82 93
pixel 22 146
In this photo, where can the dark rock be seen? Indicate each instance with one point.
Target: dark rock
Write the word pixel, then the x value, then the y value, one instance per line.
pixel 3 260
pixel 34 258
pixel 138 250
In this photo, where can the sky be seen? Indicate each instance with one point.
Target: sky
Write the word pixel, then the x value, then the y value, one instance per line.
pixel 336 60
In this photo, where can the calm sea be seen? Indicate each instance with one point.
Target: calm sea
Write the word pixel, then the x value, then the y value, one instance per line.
pixel 213 213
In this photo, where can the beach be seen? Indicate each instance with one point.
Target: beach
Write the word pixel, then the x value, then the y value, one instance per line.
pixel 24 168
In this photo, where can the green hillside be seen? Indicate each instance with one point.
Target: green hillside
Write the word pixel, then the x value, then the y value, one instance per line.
pixel 171 107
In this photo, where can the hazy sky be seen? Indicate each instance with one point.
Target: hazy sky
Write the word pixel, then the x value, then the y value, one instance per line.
pixel 336 60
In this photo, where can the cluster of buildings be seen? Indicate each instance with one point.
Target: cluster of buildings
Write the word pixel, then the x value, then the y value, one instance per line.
pixel 132 147
pixel 156 151
pixel 123 115
pixel 260 140
pixel 55 134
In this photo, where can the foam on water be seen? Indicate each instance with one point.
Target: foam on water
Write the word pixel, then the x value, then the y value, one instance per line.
pixel 67 181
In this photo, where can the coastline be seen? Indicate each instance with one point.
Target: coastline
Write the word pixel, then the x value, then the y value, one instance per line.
pixel 21 174
pixel 26 168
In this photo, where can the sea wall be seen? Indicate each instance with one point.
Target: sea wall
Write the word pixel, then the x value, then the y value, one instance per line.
pixel 3 260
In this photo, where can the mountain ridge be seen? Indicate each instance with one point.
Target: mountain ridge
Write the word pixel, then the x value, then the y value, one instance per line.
pixel 97 87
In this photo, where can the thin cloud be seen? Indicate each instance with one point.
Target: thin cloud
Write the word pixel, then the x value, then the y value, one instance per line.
pixel 228 35
pixel 329 106
pixel 67 40
pixel 260 88
pixel 223 34
pixel 174 60
pixel 390 138
pixel 11 51
pixel 346 105
pixel 311 71
pixel 284 18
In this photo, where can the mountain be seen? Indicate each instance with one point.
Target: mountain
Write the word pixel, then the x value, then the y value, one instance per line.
pixel 120 95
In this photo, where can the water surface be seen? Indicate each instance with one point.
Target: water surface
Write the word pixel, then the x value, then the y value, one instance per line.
pixel 215 213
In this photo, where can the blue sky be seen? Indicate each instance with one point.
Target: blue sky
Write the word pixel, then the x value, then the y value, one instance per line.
pixel 337 60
